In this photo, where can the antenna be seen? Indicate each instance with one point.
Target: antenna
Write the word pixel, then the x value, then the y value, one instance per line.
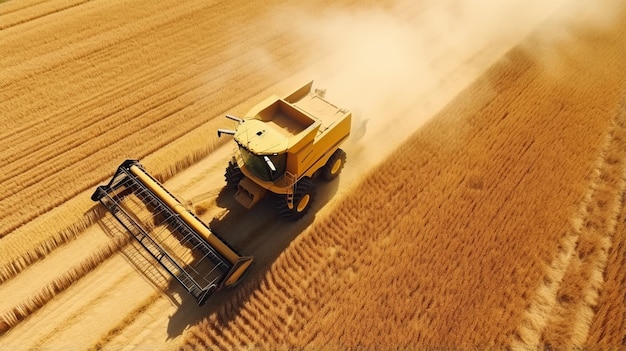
pixel 236 119
pixel 225 131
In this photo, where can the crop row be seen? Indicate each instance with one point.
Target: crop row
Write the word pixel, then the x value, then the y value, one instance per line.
pixel 607 325
pixel 19 12
pixel 561 311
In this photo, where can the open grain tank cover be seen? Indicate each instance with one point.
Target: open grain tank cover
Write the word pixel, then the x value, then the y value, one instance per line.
pixel 185 246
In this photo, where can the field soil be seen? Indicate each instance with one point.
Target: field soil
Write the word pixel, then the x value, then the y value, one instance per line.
pixel 482 208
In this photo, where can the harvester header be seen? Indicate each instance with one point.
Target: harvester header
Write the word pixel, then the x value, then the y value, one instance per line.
pixel 185 246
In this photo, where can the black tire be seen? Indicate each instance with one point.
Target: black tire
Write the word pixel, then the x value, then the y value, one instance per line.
pixel 334 165
pixel 303 196
pixel 233 175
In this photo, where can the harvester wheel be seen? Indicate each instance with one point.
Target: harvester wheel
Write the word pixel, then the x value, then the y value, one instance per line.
pixel 334 165
pixel 233 175
pixel 303 196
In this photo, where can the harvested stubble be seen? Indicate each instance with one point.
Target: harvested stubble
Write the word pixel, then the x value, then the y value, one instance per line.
pixel 459 248
pixel 9 319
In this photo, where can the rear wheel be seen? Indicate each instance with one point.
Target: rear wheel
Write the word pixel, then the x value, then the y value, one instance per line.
pixel 303 196
pixel 233 175
pixel 334 165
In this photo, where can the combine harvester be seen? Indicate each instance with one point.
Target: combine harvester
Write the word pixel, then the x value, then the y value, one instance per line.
pixel 283 145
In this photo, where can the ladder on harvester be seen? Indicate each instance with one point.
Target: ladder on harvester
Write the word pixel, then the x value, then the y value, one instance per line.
pixel 290 180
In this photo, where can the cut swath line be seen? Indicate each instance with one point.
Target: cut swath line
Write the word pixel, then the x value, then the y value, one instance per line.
pixel 17 314
pixel 562 308
pixel 39 12
pixel 130 318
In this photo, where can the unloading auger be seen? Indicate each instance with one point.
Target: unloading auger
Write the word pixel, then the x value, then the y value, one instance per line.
pixel 185 246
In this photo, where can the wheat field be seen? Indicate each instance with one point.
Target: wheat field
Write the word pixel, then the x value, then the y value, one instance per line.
pixel 483 208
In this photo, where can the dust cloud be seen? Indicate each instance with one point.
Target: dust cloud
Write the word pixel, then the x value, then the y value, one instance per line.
pixel 384 59
pixel 573 21
pixel 397 65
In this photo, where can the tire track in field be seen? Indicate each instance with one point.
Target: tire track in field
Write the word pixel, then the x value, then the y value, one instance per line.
pixel 559 314
pixel 33 13
pixel 14 6
pixel 127 320
pixel 608 328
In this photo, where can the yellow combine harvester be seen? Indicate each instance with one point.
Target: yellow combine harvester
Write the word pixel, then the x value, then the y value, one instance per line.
pixel 282 145
pixel 173 235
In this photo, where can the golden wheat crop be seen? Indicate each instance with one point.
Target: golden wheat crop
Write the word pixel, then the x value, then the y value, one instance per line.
pixel 499 224
pixel 498 219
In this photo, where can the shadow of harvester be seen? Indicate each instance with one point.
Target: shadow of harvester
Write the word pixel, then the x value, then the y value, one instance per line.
pixel 259 232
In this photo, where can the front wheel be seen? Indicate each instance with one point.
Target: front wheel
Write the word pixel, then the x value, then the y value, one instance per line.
pixel 334 165
pixel 233 175
pixel 303 196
